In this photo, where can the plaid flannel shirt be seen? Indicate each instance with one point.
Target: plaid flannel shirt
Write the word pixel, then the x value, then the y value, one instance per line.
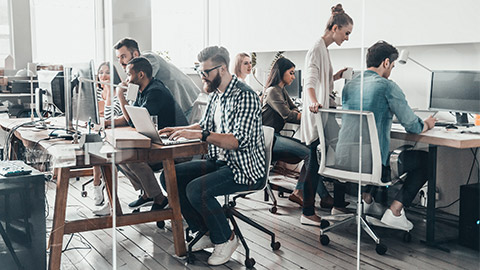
pixel 242 117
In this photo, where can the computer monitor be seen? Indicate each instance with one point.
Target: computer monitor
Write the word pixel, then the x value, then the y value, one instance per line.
pixel 295 88
pixel 84 94
pixel 53 84
pixel 457 91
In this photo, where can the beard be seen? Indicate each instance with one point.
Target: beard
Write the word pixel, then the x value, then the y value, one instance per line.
pixel 211 86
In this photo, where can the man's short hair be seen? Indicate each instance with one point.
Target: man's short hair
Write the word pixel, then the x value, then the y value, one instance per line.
pixel 380 51
pixel 141 64
pixel 218 55
pixel 131 45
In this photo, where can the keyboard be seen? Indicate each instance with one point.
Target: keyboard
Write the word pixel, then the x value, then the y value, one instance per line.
pixel 13 168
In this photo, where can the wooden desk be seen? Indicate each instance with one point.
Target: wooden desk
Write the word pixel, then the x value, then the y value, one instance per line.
pixel 60 227
pixel 438 136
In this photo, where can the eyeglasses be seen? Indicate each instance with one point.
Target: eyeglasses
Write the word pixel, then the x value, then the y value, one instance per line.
pixel 205 73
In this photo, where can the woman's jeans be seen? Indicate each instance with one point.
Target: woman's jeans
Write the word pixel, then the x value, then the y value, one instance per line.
pixel 292 151
pixel 199 182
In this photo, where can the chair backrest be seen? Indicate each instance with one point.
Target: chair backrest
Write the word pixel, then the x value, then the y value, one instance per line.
pixel 341 146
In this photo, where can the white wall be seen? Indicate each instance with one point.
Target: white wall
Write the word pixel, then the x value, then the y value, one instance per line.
pixel 261 26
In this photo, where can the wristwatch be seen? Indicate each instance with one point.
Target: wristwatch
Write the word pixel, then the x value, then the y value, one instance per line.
pixel 205 134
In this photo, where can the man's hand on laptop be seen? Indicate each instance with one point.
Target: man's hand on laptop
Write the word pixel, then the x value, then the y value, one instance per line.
pixel 187 134
pixel 166 132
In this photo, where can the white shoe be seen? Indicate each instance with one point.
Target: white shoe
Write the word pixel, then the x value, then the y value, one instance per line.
pixel 338 214
pixel 98 197
pixel 222 252
pixel 373 208
pixel 105 210
pixel 202 244
pixel 401 222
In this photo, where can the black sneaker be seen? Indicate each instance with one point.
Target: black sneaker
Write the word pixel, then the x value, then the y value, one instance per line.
pixel 140 202
pixel 160 206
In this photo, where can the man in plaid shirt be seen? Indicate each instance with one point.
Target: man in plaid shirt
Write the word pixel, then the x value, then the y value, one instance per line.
pixel 232 126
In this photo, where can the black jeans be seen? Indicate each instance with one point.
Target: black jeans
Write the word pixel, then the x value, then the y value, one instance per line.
pixel 415 163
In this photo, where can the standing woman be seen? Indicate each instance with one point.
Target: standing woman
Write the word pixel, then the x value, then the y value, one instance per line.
pixel 243 66
pixel 319 86
pixel 105 109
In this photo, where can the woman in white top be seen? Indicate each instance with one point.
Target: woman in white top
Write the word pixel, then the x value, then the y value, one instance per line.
pixel 319 80
pixel 243 66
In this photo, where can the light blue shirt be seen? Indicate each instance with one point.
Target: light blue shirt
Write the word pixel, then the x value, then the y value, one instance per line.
pixel 384 98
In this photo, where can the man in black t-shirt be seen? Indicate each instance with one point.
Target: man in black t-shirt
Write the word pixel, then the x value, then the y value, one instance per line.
pixel 157 99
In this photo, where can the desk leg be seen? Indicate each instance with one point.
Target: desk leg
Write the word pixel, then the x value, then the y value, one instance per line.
pixel 56 235
pixel 173 201
pixel 108 177
pixel 432 184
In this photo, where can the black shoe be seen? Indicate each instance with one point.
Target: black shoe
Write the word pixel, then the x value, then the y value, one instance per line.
pixel 140 202
pixel 160 206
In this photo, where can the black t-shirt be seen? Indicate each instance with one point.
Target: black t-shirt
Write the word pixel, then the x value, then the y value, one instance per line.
pixel 158 100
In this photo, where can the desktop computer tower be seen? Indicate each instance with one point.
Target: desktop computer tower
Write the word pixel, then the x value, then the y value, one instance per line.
pixel 469 223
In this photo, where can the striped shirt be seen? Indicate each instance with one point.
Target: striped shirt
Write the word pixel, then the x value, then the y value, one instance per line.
pixel 242 117
pixel 117 109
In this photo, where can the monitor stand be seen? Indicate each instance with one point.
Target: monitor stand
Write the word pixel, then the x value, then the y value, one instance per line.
pixel 462 119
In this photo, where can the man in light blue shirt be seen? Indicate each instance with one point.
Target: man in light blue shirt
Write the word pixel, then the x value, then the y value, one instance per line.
pixel 384 98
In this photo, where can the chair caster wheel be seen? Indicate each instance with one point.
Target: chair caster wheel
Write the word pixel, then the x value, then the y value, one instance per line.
pixel 249 263
pixel 273 210
pixel 161 224
pixel 381 249
pixel 324 240
pixel 232 204
pixel 324 224
pixel 190 258
pixel 407 237
pixel 136 210
pixel 275 246
pixel 281 194
pixel 84 193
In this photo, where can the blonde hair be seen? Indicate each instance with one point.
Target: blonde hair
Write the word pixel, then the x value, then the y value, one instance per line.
pixel 238 63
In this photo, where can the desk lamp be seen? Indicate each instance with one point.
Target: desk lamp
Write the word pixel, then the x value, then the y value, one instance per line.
pixel 402 59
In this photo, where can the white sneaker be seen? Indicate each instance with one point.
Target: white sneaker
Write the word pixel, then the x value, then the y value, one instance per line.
pixel 401 222
pixel 337 214
pixel 202 244
pixel 98 197
pixel 105 210
pixel 222 252
pixel 373 208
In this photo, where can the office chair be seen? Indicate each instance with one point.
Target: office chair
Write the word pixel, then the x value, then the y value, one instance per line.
pixel 231 212
pixel 340 149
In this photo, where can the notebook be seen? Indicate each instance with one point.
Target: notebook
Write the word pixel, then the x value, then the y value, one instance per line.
pixel 144 125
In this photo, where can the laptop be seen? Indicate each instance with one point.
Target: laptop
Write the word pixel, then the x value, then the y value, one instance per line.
pixel 144 125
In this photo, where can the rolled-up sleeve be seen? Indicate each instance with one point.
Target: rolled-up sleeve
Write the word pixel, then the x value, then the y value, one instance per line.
pixel 248 111
pixel 399 106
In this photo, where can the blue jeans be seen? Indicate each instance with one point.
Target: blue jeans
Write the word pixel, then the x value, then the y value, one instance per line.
pixel 292 151
pixel 199 182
